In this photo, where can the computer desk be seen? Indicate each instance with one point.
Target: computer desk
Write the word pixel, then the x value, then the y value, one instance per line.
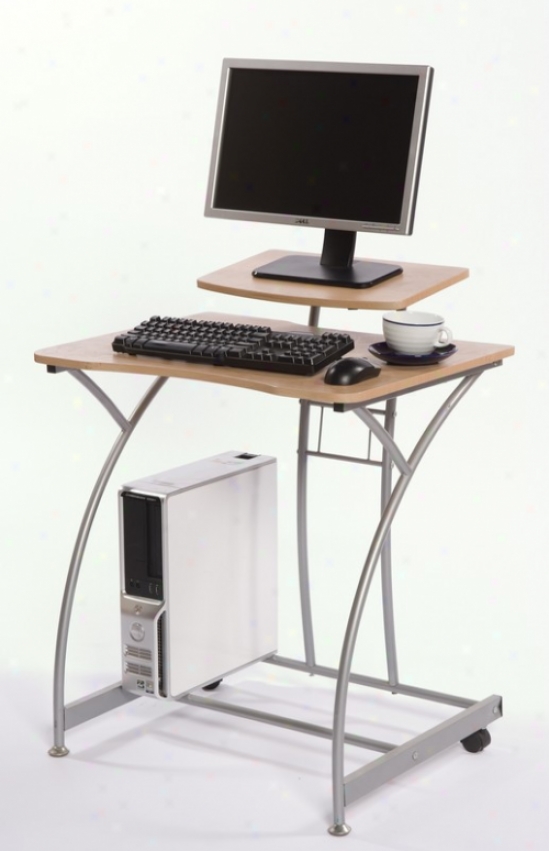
pixel 374 403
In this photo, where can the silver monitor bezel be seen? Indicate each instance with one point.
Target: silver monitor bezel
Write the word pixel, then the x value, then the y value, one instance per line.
pixel 405 226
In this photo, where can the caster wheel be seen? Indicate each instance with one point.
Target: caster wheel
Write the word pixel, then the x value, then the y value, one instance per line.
pixel 476 742
pixel 212 686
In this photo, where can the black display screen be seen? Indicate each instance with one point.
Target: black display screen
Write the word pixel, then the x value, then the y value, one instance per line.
pixel 330 145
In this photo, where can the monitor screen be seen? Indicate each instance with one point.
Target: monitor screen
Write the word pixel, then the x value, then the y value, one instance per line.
pixel 330 145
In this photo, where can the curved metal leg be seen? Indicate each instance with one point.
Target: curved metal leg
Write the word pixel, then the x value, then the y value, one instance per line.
pixel 366 577
pixel 302 548
pixel 385 439
pixel 128 426
pixel 391 454
pixel 302 553
pixel 386 567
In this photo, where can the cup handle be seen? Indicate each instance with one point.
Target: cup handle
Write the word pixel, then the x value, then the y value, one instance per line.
pixel 445 337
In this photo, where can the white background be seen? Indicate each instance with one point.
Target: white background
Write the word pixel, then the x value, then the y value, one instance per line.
pixel 106 117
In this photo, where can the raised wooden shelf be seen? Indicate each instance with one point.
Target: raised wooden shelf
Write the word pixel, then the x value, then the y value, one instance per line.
pixel 416 282
pixel 97 354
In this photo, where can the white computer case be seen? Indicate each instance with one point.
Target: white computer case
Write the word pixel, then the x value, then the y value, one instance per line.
pixel 198 551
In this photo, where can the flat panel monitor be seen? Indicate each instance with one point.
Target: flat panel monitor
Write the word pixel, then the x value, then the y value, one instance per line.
pixel 328 145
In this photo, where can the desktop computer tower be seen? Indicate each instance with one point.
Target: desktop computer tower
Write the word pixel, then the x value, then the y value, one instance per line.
pixel 198 551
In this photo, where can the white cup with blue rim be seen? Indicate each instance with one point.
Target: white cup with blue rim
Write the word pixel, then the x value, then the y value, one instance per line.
pixel 415 332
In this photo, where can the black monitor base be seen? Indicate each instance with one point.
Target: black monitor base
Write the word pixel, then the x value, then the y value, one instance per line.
pixel 336 267
pixel 307 268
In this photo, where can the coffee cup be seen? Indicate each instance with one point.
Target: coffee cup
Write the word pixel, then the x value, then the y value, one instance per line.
pixel 415 332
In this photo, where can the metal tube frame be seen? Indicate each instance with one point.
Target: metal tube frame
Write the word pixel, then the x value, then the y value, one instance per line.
pixel 473 712
pixel 473 716
pixel 281 721
pixel 349 642
pixel 386 564
pixel 127 428
pixel 302 551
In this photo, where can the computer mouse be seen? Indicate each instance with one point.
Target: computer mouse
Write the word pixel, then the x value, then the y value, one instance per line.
pixel 350 371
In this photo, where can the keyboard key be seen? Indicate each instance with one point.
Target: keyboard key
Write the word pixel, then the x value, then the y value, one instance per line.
pixel 167 346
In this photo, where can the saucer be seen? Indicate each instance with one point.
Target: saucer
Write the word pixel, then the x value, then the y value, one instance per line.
pixel 384 352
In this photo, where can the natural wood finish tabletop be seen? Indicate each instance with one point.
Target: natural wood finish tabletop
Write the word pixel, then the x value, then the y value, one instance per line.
pixel 96 354
pixel 416 282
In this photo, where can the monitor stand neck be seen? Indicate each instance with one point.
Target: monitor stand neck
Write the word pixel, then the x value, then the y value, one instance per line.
pixel 338 249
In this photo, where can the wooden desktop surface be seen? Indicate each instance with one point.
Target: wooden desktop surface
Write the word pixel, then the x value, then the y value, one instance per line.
pixel 96 354
pixel 416 282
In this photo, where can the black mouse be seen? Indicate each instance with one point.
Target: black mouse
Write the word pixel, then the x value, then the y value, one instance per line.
pixel 350 371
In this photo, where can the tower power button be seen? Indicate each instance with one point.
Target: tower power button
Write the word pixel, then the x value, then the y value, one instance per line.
pixel 137 631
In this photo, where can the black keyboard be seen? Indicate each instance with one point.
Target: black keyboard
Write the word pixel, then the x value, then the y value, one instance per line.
pixel 228 344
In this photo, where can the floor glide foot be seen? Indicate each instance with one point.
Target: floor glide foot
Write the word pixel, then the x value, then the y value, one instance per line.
pixel 339 829
pixel 58 750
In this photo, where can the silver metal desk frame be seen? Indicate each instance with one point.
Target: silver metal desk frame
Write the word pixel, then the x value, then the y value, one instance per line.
pixel 394 760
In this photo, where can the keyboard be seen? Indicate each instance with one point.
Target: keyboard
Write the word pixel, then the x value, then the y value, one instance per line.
pixel 230 344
